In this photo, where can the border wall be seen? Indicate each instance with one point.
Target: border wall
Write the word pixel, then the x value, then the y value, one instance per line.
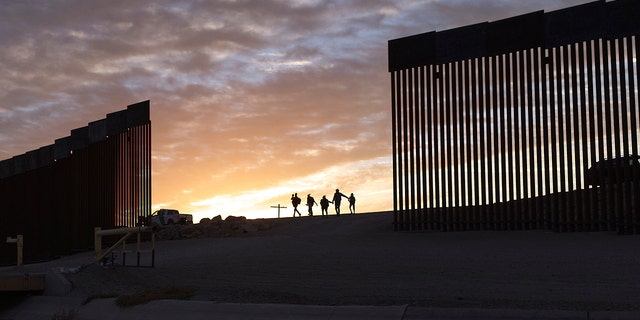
pixel 99 176
pixel 495 125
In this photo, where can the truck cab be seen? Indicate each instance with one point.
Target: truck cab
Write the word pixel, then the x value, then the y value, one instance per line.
pixel 164 217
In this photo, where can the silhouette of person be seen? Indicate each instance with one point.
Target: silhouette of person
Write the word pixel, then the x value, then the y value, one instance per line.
pixel 337 197
pixel 295 201
pixel 310 202
pixel 324 205
pixel 352 203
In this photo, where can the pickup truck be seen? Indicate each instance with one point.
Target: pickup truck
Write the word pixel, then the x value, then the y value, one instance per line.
pixel 169 217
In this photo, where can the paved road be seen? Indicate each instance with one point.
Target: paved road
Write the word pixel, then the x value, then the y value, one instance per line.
pixel 37 308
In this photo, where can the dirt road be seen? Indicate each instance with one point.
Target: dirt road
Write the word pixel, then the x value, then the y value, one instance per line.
pixel 359 260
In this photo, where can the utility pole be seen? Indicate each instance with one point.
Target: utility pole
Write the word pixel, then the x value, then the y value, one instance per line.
pixel 279 207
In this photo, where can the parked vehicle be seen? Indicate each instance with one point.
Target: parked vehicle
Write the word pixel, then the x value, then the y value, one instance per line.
pixel 615 170
pixel 170 217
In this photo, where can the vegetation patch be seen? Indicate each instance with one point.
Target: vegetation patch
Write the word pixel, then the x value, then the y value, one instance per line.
pixel 98 296
pixel 64 315
pixel 148 295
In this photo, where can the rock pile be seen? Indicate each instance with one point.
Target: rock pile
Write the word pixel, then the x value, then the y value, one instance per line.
pixel 232 226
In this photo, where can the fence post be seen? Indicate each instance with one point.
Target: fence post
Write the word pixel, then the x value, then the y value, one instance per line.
pixel 97 241
pixel 125 233
pixel 20 246
pixel 19 241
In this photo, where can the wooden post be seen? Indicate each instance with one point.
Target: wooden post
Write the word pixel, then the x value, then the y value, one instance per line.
pixel 126 233
pixel 279 207
pixel 113 247
pixel 97 241
pixel 20 246
pixel 138 251
pixel 153 249
pixel 19 241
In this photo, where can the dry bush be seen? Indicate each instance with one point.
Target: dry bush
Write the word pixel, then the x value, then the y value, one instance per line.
pixel 148 295
pixel 64 315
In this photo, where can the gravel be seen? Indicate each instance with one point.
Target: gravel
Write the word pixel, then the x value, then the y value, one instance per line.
pixel 360 260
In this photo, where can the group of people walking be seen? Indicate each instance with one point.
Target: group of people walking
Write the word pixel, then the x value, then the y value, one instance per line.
pixel 324 203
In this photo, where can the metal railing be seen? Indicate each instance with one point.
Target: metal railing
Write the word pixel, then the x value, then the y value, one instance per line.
pixel 120 245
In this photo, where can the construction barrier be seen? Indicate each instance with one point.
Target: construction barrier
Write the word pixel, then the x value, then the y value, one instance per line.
pixel 120 245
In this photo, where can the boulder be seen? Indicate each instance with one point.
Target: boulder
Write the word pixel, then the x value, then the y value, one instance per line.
pixel 234 219
pixel 191 232
pixel 261 225
pixel 247 227
pixel 169 233
pixel 214 227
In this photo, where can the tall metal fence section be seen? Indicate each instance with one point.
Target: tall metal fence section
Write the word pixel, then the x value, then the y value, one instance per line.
pixel 99 176
pixel 496 124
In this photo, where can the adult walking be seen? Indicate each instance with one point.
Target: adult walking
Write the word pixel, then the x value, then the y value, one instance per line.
pixel 295 201
pixel 352 203
pixel 337 198
pixel 310 202
pixel 324 205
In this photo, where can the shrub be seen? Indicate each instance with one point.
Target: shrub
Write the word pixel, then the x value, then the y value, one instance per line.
pixel 148 295
pixel 64 315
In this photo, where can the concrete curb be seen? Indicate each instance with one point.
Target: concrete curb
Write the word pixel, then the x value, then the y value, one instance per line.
pixel 421 313
pixel 43 307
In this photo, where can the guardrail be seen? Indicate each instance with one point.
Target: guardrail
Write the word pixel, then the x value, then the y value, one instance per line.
pixel 126 233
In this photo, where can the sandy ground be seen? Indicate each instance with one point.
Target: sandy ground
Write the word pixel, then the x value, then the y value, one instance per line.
pixel 360 260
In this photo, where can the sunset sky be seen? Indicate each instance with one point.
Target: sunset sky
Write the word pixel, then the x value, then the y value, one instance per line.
pixel 251 101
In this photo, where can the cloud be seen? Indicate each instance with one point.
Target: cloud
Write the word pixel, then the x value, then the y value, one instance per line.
pixel 249 99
